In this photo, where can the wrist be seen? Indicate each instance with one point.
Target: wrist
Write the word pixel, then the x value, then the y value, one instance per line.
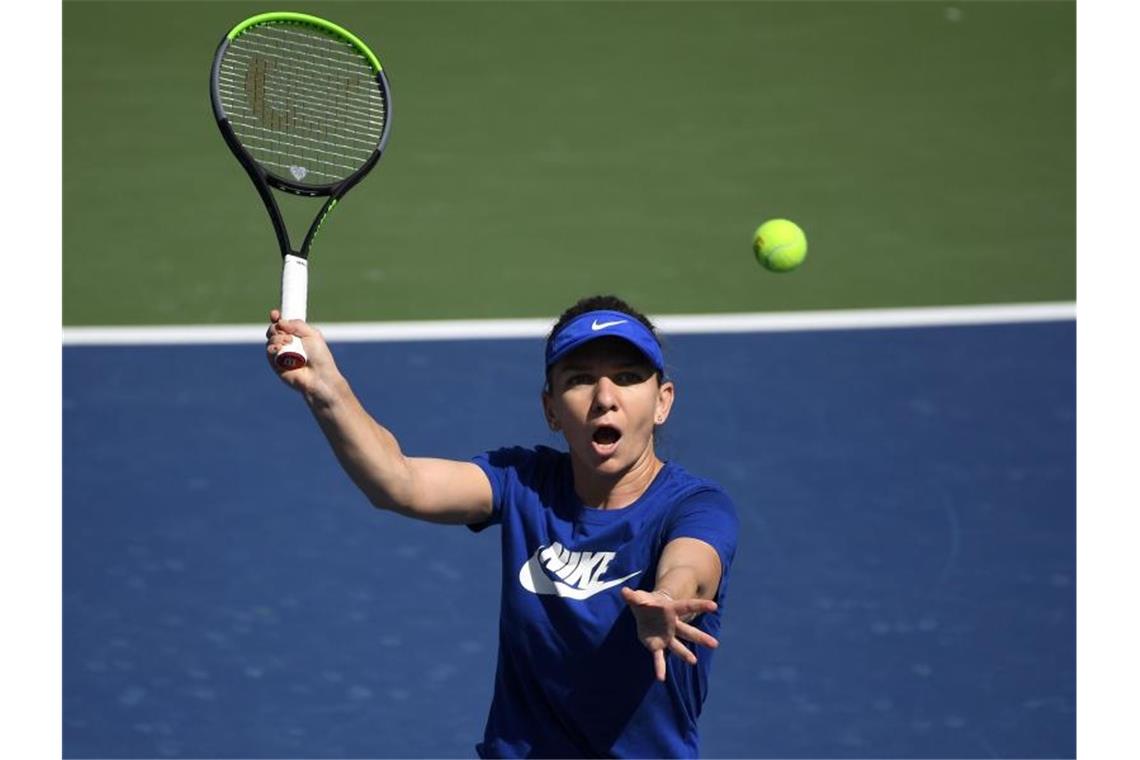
pixel 329 393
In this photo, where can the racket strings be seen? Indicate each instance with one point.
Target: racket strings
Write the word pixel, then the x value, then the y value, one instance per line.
pixel 279 111
pixel 304 103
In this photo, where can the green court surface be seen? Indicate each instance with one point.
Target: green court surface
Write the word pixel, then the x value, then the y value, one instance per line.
pixel 541 151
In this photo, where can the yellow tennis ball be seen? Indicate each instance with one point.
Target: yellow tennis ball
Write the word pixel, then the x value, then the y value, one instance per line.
pixel 780 245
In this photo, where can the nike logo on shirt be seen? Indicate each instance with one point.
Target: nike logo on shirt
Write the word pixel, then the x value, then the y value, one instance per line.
pixel 603 325
pixel 578 574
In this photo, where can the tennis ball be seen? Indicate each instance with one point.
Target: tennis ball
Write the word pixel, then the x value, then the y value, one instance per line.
pixel 780 245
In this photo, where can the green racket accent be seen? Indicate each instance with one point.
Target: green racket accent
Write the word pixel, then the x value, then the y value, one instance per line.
pixel 304 18
pixel 321 221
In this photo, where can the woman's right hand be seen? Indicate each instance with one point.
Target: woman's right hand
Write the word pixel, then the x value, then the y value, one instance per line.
pixel 318 378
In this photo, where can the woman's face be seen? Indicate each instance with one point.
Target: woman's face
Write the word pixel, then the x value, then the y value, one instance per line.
pixel 605 399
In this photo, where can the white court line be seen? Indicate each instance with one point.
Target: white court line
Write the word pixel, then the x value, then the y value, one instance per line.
pixel 671 324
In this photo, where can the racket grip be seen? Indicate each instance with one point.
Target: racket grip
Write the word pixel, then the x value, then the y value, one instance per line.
pixel 294 299
pixel 292 355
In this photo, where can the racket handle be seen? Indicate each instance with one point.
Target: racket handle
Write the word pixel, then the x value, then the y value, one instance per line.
pixel 294 298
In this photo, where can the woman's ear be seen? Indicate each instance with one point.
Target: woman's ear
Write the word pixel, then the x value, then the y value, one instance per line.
pixel 548 412
pixel 665 396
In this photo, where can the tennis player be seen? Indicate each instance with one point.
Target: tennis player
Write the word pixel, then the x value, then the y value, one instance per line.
pixel 608 551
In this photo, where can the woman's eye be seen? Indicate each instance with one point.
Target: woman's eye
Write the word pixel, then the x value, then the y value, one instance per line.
pixel 628 378
pixel 579 379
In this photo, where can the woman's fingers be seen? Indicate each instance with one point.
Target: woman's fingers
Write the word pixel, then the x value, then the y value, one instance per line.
pixel 641 598
pixel 682 651
pixel 274 317
pixel 276 344
pixel 694 606
pixel 696 635
pixel 659 663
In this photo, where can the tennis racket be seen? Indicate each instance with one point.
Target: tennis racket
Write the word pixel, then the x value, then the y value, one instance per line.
pixel 305 107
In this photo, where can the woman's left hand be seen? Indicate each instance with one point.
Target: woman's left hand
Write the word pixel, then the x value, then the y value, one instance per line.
pixel 661 625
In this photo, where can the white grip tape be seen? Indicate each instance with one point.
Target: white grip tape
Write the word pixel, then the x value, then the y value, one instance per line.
pixel 294 299
pixel 294 287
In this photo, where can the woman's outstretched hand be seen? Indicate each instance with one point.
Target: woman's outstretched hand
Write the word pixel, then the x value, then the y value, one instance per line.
pixel 661 625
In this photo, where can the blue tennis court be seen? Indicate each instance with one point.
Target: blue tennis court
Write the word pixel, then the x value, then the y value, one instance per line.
pixel 904 587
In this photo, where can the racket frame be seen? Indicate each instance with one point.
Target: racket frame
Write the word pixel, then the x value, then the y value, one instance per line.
pixel 263 181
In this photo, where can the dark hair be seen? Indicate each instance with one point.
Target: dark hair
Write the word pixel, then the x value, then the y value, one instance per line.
pixel 601 303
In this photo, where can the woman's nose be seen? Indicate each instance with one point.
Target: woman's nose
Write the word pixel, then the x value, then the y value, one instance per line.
pixel 605 394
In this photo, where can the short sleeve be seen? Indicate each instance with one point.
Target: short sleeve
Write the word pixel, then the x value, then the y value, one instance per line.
pixel 710 516
pixel 501 468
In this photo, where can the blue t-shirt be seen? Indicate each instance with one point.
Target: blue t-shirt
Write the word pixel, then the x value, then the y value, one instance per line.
pixel 573 679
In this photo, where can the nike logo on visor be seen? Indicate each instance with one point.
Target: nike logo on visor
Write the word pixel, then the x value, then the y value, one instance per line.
pixel 603 325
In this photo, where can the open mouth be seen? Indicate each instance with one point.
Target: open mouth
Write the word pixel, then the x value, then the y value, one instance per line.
pixel 606 436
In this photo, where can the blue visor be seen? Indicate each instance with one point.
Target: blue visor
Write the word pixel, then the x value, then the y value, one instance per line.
pixel 604 324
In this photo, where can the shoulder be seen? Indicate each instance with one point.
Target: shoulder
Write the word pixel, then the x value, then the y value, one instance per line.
pixel 532 468
pixel 521 479
pixel 700 508
pixel 522 458
pixel 687 488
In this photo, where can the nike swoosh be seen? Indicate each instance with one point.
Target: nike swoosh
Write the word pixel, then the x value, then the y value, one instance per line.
pixel 603 325
pixel 533 578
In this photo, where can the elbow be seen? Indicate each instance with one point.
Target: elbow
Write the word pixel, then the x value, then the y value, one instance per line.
pixel 378 503
pixel 387 502
pixel 384 502
pixel 379 498
pixel 390 494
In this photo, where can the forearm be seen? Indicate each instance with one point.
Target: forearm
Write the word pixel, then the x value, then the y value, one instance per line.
pixel 366 450
pixel 681 582
pixel 688 569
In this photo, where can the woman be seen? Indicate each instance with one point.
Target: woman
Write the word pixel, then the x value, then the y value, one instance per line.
pixel 607 550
